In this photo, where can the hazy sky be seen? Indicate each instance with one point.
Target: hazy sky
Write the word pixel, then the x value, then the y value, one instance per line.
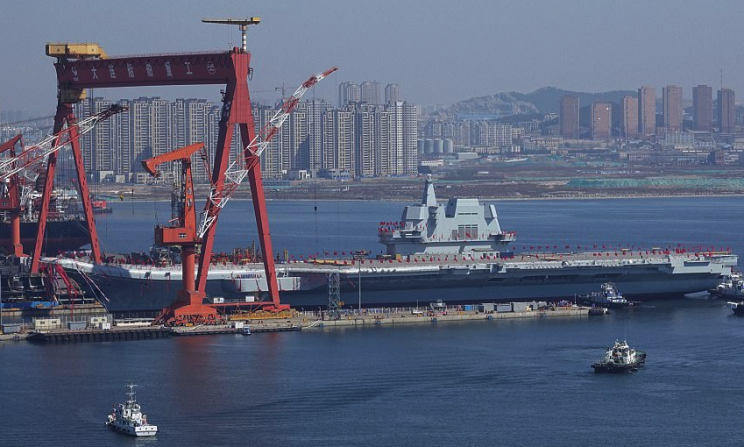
pixel 438 51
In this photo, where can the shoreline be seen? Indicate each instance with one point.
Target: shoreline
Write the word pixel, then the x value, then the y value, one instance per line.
pixel 484 198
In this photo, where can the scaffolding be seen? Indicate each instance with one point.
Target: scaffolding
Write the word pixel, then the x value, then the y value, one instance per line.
pixel 334 296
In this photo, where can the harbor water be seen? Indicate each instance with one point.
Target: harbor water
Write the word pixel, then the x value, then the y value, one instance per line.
pixel 507 382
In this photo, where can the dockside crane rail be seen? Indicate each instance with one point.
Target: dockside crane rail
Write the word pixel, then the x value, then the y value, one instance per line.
pixel 237 171
pixel 51 144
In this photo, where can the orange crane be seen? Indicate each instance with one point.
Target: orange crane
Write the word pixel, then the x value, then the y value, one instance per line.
pixel 189 305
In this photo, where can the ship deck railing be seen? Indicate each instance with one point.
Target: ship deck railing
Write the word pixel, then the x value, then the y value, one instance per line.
pixel 434 262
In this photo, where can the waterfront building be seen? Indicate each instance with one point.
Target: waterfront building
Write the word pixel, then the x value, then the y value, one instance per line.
pixel 702 108
pixel 646 111
pixel 726 111
pixel 601 121
pixel 630 117
pixel 672 100
pixel 569 116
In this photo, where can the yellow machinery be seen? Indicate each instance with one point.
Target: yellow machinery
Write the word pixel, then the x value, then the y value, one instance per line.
pixel 66 50
pixel 75 50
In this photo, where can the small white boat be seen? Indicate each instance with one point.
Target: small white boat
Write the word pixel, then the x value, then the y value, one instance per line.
pixel 128 417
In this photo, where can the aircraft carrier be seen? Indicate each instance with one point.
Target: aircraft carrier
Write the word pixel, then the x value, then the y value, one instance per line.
pixel 455 252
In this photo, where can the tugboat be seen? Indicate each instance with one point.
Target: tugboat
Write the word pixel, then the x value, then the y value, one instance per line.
pixel 731 287
pixel 620 358
pixel 608 297
pixel 128 418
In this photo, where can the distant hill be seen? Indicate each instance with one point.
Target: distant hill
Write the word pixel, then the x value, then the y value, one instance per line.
pixel 541 101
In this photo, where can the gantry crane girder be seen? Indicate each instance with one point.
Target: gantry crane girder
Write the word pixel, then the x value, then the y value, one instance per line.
pixel 230 68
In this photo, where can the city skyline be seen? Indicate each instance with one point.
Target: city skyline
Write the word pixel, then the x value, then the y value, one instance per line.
pixel 357 140
pixel 434 65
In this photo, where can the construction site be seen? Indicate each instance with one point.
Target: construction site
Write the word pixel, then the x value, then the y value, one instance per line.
pixel 33 284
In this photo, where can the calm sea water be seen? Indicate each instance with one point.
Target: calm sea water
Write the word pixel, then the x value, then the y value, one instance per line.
pixel 477 384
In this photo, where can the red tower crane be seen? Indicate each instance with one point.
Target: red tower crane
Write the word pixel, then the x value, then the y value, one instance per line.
pixel 188 306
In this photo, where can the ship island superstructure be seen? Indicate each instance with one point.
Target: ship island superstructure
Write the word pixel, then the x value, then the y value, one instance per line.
pixel 454 252
pixel 462 226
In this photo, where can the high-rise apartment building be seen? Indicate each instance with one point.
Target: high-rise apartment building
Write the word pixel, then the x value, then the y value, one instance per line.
pixel 338 140
pixel 601 121
pixel 672 100
pixel 569 116
pixel 702 108
pixel 726 111
pixel 370 91
pixel 348 93
pixel 314 137
pixel 630 117
pixel 646 111
pixel 392 93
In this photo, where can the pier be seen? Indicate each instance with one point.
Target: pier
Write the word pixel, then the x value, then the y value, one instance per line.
pixel 296 322
pixel 399 318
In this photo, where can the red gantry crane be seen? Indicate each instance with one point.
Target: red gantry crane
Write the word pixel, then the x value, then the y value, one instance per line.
pixel 189 304
pixel 81 66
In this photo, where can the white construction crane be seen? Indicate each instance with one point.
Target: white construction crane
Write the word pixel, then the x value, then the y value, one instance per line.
pixel 32 156
pixel 51 144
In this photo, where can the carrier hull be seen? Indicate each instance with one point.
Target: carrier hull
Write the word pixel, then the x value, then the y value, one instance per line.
pixel 304 285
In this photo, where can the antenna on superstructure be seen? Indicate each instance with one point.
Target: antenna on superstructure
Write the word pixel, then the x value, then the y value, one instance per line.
pixel 242 23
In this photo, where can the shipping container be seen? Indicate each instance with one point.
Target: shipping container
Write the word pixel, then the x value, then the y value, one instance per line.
pixel 11 328
pixel 487 307
pixel 76 325
pixel 504 307
pixel 41 324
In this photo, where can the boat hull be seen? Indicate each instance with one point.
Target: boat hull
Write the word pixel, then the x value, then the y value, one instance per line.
pixel 141 431
pixel 61 235
pixel 151 289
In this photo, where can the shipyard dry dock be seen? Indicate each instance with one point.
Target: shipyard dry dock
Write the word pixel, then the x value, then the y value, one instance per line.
pixel 299 321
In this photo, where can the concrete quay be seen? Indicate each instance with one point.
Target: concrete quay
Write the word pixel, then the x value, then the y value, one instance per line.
pixel 297 322
pixel 399 318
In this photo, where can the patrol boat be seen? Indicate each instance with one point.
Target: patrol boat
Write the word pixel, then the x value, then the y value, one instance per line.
pixel 127 418
pixel 620 358
pixel 454 251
